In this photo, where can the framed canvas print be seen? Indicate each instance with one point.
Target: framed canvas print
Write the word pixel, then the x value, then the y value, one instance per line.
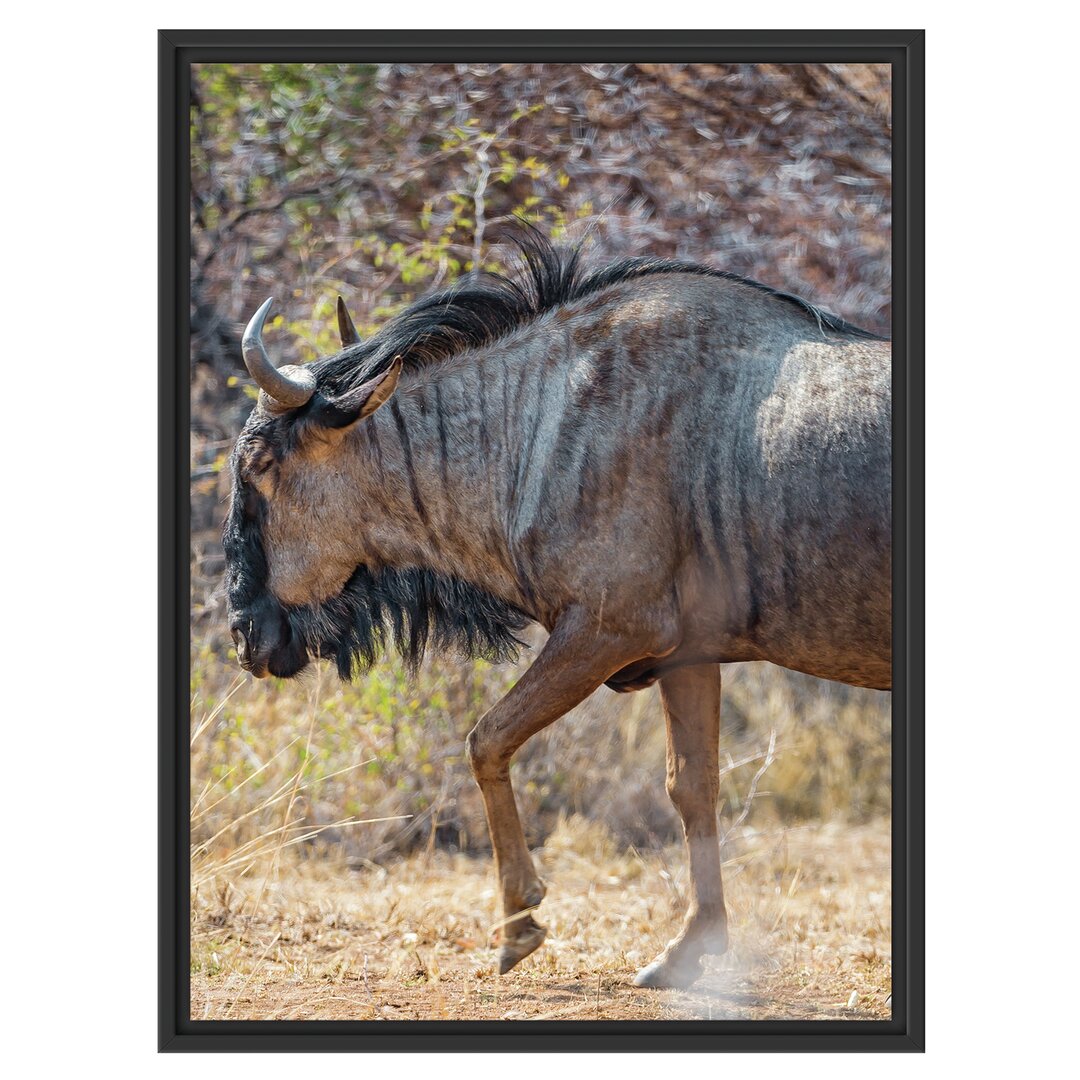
pixel 541 566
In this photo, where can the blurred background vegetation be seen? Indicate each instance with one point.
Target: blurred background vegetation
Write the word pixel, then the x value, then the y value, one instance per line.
pixel 380 183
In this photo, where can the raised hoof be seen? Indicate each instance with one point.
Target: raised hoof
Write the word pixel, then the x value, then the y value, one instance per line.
pixel 666 975
pixel 515 949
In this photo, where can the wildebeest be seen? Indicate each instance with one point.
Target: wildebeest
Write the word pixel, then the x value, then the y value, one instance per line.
pixel 667 466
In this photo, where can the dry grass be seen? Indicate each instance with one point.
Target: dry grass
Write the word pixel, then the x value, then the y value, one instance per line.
pixel 320 938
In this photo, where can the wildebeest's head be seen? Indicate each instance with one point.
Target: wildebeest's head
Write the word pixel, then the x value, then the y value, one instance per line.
pixel 299 580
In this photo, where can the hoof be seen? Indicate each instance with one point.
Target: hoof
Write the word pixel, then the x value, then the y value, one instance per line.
pixel 667 975
pixel 517 948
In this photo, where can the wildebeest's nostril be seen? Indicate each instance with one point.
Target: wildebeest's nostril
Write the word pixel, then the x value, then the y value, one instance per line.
pixel 243 650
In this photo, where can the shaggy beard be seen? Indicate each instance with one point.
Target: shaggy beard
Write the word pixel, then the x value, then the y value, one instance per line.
pixel 411 610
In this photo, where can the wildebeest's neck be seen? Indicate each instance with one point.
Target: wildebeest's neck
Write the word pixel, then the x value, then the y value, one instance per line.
pixel 439 467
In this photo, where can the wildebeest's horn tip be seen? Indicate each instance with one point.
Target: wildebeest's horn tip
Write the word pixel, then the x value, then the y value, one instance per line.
pixel 254 326
pixel 346 327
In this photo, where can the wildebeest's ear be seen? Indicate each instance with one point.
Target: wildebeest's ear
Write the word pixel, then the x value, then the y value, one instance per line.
pixel 346 409
pixel 346 328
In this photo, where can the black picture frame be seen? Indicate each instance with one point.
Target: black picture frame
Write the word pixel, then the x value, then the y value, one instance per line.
pixel 904 50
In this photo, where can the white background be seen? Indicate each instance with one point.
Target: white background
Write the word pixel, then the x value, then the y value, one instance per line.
pixel 79 367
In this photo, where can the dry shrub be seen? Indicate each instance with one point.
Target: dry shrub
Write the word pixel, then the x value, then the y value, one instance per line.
pixel 301 762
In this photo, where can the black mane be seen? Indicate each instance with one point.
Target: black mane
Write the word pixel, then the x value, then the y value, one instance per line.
pixel 484 309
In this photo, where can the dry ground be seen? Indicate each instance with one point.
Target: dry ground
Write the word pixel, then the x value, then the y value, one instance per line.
pixel 312 938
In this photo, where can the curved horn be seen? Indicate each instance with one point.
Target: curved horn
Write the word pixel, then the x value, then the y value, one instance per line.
pixel 291 386
pixel 346 328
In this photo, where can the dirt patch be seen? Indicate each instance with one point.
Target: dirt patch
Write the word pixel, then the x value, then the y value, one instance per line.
pixel 315 939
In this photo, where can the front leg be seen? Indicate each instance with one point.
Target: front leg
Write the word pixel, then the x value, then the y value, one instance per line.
pixel 573 663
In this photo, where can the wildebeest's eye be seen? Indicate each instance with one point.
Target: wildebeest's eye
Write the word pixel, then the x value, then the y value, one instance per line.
pixel 259 466
pixel 256 466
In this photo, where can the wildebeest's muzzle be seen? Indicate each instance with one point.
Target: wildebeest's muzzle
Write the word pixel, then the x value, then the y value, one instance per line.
pixel 265 641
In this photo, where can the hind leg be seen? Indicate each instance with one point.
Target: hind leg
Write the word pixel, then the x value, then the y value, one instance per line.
pixel 691 700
